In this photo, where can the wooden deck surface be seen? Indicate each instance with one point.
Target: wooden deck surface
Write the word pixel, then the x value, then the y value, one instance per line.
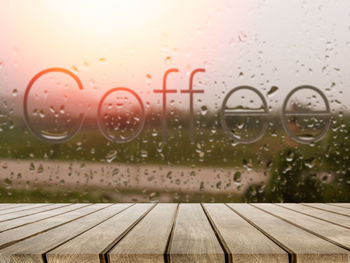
pixel 175 232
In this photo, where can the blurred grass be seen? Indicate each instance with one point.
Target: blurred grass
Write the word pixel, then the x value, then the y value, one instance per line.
pixel 40 195
pixel 212 148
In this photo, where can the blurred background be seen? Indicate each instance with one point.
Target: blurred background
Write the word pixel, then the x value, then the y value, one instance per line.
pixel 273 46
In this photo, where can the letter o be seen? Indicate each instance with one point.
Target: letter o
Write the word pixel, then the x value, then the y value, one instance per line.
pixel 99 119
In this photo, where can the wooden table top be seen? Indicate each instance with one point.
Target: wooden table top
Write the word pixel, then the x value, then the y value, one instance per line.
pixel 147 232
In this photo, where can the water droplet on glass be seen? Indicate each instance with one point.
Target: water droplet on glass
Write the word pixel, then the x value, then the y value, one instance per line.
pixel 167 60
pixel 148 78
pixel 111 156
pixel 272 91
pixel 242 37
pixel 290 156
pixel 14 92
pixel 237 177
pixel 42 113
pixel 204 110
pixel 144 153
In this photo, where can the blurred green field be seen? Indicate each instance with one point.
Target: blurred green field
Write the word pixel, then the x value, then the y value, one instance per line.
pixel 293 168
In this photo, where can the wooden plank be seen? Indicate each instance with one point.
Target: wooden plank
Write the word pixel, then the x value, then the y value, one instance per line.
pixel 27 212
pixel 14 205
pixel 23 232
pixel 33 249
pixel 330 208
pixel 344 205
pixel 5 205
pixel 89 246
pixel 244 241
pixel 338 235
pixel 58 210
pixel 302 245
pixel 20 208
pixel 147 241
pixel 9 206
pixel 193 238
pixel 319 214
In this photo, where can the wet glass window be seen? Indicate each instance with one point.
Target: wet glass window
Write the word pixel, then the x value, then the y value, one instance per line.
pixel 136 101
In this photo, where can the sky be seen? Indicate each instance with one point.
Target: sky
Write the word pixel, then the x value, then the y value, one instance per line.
pixel 110 44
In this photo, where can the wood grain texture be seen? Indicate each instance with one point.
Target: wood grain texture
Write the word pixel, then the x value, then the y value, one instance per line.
pixel 32 249
pixel 337 234
pixel 320 214
pixel 335 209
pixel 88 246
pixel 28 212
pixel 147 241
pixel 345 205
pixel 192 233
pixel 23 232
pixel 303 246
pixel 4 226
pixel 245 242
pixel 10 206
pixel 193 238
pixel 21 208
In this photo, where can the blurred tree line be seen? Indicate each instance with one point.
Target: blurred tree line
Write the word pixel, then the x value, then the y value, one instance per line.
pixel 294 180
